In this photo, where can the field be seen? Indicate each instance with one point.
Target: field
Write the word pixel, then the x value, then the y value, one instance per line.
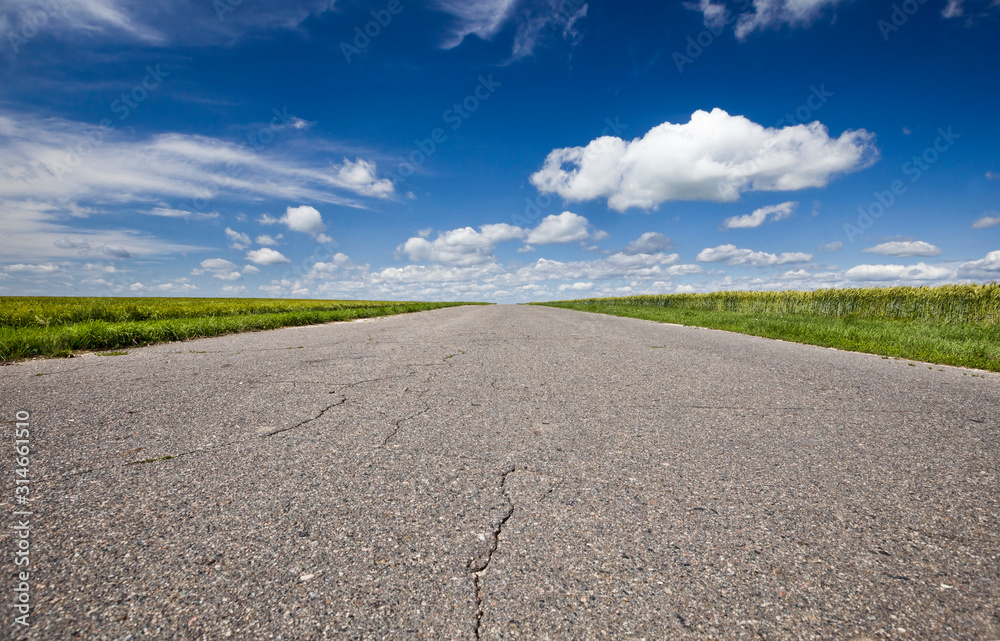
pixel 58 326
pixel 952 325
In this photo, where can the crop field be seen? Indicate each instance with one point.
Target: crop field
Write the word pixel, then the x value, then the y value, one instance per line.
pixel 952 324
pixel 59 326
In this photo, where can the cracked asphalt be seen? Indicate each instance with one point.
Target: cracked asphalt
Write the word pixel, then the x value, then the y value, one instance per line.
pixel 506 473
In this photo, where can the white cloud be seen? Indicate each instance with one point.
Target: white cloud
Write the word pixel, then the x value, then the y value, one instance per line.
pixel 835 246
pixel 953 9
pixel 158 23
pixel 438 274
pixel 768 14
pixel 918 272
pixel 220 268
pixel 992 175
pixel 715 15
pixel 339 262
pixel 714 157
pixel 758 216
pixel 266 256
pixel 47 268
pixel 577 287
pixel 237 240
pixel 464 246
pixel 250 269
pixel 266 240
pixel 566 227
pixel 37 230
pixel 482 18
pixel 168 212
pixel 904 248
pixel 57 160
pixel 987 269
pixel 535 20
pixel 217 264
pixel 360 177
pixel 305 219
pixel 234 289
pixel 651 242
pixel 622 259
pixel 732 255
pixel 987 221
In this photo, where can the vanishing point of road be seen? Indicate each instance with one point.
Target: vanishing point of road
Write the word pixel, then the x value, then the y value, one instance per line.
pixel 505 472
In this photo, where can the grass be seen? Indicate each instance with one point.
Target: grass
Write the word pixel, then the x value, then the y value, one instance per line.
pixel 60 326
pixel 951 325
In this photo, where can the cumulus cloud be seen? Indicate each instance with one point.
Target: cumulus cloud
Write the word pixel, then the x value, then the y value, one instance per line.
pixel 732 255
pixel 986 269
pixel 360 177
pixel 714 156
pixel 219 268
pixel 303 219
pixel 566 227
pixel 918 272
pixel 46 268
pixel 904 248
pixel 320 270
pixel 266 256
pixel 652 242
pixel 987 221
pixel 464 246
pixel 576 287
pixel 267 240
pixel 237 240
pixel 835 246
pixel 759 216
pixel 640 266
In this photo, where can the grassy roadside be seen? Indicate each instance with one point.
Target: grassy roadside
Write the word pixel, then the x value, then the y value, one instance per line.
pixel 963 345
pixel 60 326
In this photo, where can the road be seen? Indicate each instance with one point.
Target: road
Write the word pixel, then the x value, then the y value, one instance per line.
pixel 504 472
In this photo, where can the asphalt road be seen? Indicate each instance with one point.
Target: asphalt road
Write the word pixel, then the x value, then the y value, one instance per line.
pixel 504 473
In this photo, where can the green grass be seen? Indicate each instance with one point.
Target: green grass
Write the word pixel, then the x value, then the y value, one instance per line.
pixel 57 326
pixel 952 325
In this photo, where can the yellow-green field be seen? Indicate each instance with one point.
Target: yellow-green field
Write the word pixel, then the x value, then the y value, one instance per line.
pixel 59 326
pixel 951 324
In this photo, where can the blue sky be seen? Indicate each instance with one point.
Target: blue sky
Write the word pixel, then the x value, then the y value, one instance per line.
pixel 500 150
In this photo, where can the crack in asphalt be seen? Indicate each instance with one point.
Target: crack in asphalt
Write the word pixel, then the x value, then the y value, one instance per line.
pixel 308 420
pixel 479 564
pixel 399 424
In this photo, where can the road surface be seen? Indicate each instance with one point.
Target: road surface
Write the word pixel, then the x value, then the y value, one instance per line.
pixel 504 473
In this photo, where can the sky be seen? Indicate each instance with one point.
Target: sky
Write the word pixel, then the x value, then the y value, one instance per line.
pixel 495 150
